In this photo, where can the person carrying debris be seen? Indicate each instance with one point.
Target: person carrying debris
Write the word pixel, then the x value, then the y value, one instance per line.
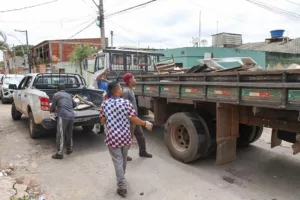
pixel 63 104
pixel 137 131
pixel 117 113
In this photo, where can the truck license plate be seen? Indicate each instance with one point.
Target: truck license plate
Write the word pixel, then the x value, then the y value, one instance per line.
pixel 81 120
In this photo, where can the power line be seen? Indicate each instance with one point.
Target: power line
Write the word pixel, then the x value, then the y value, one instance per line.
pixel 129 30
pixel 127 9
pixel 83 29
pixel 293 2
pixel 66 20
pixel 78 25
pixel 118 4
pixel 23 8
pixel 279 11
pixel 95 4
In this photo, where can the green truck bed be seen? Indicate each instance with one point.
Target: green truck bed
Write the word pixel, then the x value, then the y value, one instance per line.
pixel 274 89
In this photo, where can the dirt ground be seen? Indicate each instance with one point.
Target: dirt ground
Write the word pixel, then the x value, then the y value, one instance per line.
pixel 259 173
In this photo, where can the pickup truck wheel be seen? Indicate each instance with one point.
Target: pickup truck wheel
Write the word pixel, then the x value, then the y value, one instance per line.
pixel 33 127
pixel 88 128
pixel 3 101
pixel 15 114
pixel 248 135
pixel 187 136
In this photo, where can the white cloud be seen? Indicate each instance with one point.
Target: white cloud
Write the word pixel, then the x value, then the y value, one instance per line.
pixel 165 23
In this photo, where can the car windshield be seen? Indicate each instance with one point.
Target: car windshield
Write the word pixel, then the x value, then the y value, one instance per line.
pixel 12 80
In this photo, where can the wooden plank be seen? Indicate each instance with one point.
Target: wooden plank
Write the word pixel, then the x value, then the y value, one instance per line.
pixel 227 132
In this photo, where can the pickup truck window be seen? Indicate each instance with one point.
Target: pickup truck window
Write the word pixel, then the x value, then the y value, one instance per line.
pixel 28 81
pixel 51 81
pixel 22 83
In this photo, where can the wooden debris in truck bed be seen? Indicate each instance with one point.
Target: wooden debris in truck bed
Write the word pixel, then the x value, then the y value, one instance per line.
pixel 168 66
pixel 82 103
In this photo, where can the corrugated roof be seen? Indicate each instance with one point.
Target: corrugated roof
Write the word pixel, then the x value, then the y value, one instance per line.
pixel 292 46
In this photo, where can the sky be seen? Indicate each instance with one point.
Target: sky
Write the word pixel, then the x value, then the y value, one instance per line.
pixel 162 24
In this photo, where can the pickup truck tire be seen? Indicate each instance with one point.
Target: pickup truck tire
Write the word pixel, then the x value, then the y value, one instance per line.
pixel 3 100
pixel 186 136
pixel 34 129
pixel 15 114
pixel 88 128
pixel 248 135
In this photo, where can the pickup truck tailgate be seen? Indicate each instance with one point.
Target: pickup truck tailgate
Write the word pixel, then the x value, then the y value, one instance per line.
pixel 86 113
pixel 82 118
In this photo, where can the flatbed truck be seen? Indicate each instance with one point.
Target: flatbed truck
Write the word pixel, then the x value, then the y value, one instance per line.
pixel 218 111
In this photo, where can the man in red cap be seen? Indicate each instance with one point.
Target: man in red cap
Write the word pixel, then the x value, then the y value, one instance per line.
pixel 137 131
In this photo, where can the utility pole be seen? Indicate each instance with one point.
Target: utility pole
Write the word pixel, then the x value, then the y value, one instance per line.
pixel 101 20
pixel 199 29
pixel 112 39
pixel 28 54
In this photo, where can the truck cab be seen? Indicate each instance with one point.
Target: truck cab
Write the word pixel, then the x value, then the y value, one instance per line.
pixel 120 61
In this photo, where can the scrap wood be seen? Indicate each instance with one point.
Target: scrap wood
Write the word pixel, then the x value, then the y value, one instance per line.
pixel 83 100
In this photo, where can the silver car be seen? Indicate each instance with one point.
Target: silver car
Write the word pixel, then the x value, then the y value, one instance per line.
pixel 5 92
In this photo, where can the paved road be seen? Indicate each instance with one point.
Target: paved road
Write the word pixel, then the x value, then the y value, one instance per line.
pixel 258 174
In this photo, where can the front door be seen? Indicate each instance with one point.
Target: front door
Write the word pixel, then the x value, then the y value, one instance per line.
pixel 17 94
pixel 24 95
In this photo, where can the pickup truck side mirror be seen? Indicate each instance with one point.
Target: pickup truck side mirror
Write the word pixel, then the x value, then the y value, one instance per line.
pixel 12 86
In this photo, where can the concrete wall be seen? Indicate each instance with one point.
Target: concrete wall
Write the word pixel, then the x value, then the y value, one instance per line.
pixel 188 56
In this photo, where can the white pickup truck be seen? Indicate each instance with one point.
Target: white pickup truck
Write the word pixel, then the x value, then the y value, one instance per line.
pixel 32 98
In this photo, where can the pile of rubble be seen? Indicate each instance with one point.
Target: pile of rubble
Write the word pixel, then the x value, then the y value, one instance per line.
pixel 5 172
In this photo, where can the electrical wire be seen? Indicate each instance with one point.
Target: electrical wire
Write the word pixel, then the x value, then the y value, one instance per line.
pixel 83 29
pixel 293 2
pixel 131 8
pixel 119 4
pixel 78 25
pixel 27 7
pixel 129 30
pixel 279 11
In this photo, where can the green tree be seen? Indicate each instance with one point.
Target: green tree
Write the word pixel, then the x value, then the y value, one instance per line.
pixel 20 50
pixel 79 53
pixel 3 44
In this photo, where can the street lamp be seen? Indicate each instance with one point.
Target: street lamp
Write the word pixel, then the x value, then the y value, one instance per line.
pixel 25 31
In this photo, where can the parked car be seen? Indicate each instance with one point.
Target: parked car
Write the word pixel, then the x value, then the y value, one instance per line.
pixel 6 94
pixel 33 97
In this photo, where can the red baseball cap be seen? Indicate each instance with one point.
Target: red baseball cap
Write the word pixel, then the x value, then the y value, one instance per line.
pixel 127 77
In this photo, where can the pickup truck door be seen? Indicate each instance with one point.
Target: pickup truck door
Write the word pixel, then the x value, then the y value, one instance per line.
pixel 18 92
pixel 24 95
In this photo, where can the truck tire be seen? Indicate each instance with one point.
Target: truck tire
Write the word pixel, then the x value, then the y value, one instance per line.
pixel 248 135
pixel 88 128
pixel 34 129
pixel 15 114
pixel 187 136
pixel 3 101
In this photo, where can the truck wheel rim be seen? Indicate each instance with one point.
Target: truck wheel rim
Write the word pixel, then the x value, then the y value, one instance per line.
pixel 180 138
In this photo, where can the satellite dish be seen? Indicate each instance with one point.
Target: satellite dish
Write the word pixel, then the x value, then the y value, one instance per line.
pixel 195 41
pixel 203 43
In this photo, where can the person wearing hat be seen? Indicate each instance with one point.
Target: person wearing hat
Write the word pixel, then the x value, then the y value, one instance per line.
pixel 136 130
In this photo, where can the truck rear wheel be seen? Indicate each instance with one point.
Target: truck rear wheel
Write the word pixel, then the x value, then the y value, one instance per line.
pixel 88 128
pixel 248 134
pixel 34 129
pixel 187 137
